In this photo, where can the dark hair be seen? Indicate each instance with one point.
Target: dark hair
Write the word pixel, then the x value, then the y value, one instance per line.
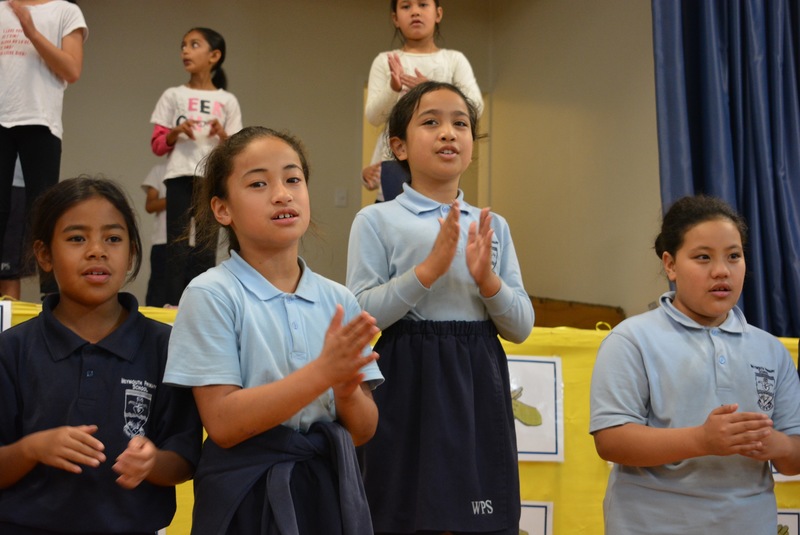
pixel 437 34
pixel 215 42
pixel 218 167
pixel 404 109
pixel 55 201
pixel 689 211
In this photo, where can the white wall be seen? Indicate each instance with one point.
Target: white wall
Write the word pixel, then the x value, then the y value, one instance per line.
pixel 573 138
pixel 300 66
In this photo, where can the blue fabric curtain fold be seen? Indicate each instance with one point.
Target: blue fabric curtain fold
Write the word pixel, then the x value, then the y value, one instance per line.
pixel 729 125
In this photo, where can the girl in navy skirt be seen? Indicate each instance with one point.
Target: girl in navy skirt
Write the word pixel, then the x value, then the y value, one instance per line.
pixel 442 280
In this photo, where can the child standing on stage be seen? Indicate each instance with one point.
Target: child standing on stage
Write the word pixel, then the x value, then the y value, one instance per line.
pixel 190 120
pixel 283 400
pixel 91 441
pixel 689 400
pixel 41 53
pixel 156 204
pixel 418 60
pixel 442 279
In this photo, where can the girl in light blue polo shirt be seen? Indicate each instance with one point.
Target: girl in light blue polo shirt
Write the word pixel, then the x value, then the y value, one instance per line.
pixel 442 279
pixel 277 356
pixel 690 401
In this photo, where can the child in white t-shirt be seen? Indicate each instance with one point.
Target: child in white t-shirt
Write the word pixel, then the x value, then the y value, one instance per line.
pixel 156 203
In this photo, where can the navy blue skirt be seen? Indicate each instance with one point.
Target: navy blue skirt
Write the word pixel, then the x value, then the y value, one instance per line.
pixel 444 456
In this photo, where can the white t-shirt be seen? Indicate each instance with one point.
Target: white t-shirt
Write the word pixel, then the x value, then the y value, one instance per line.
pixel 444 65
pixel 176 105
pixel 30 94
pixel 155 179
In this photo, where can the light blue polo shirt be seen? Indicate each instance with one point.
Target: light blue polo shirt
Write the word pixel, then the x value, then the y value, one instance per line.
pixel 663 369
pixel 235 328
pixel 387 240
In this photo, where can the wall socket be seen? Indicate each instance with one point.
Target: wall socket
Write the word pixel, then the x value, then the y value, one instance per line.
pixel 340 198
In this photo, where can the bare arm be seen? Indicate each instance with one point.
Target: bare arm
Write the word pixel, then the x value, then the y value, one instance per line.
pixel 357 411
pixel 65 448
pixel 725 432
pixel 232 414
pixel 154 204
pixel 782 449
pixel 143 461
pixel 170 469
pixel 65 62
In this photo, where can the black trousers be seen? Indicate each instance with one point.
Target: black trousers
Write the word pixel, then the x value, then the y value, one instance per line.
pixel 157 285
pixel 183 261
pixel 39 153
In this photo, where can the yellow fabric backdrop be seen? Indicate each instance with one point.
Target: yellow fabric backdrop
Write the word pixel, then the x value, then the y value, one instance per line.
pixel 576 486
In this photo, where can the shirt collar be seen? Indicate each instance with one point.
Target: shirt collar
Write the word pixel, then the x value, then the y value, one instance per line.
pixel 417 203
pixel 123 342
pixel 734 323
pixel 255 282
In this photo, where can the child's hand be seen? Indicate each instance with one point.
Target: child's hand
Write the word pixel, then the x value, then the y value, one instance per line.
pixel 479 254
pixel 66 448
pixel 774 446
pixel 186 127
pixel 396 72
pixel 444 249
pixel 727 432
pixel 371 176
pixel 412 81
pixel 341 358
pixel 215 128
pixel 136 462
pixel 24 15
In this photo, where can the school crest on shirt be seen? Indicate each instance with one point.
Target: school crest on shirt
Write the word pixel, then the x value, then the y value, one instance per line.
pixel 765 387
pixel 138 401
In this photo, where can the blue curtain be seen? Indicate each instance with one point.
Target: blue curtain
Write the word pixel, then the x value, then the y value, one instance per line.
pixel 729 126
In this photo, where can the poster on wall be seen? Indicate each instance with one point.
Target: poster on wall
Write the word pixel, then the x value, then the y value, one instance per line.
pixel 536 518
pixel 537 399
pixel 788 521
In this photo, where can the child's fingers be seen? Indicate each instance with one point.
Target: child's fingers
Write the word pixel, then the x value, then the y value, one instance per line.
pixel 472 232
pixel 360 329
pixel 725 409
pixel 135 463
pixel 359 322
pixel 348 341
pixel 67 448
pixel 756 418
pixel 485 220
pixel 137 448
pixel 336 321
pixel 455 210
